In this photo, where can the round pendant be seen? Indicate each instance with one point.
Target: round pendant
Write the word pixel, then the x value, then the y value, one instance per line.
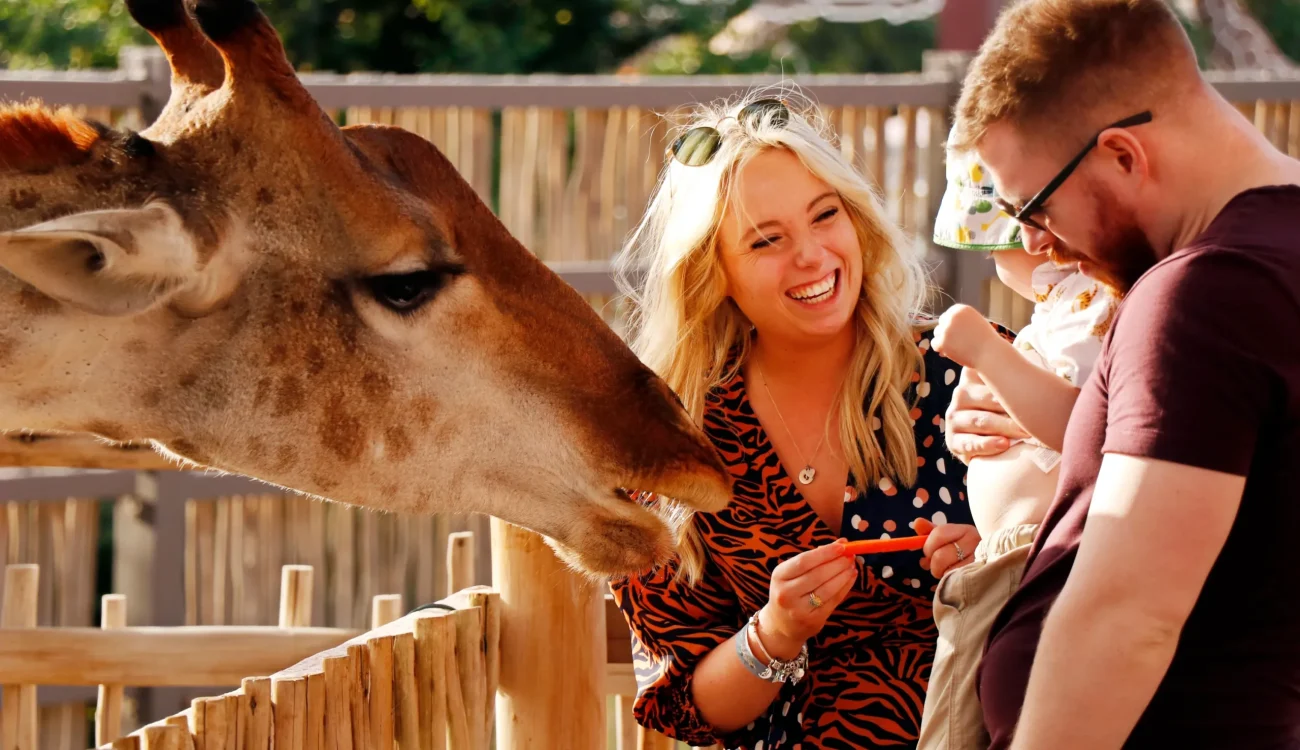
pixel 806 476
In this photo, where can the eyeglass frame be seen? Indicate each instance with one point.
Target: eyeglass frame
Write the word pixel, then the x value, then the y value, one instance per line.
pixel 1025 213
pixel 783 112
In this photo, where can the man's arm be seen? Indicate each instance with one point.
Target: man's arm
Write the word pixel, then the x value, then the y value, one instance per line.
pixel 1154 530
pixel 1038 399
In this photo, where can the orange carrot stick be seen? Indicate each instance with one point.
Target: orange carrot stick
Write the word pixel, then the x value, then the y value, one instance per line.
pixel 872 546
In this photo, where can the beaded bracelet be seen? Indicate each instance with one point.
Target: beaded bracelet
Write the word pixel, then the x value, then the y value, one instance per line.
pixel 776 670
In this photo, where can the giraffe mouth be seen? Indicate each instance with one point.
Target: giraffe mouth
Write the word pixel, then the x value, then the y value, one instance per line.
pixel 703 492
pixel 617 534
pixel 615 537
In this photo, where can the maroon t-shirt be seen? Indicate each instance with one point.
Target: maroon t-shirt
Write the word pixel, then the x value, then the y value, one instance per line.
pixel 1201 367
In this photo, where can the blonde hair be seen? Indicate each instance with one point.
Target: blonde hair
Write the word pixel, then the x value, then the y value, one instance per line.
pixel 684 327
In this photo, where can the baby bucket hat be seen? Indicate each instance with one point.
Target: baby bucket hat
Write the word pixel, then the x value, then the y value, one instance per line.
pixel 969 217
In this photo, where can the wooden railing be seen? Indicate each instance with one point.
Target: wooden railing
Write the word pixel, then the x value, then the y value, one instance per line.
pixel 428 679
pixel 174 551
pixel 115 657
pixel 195 550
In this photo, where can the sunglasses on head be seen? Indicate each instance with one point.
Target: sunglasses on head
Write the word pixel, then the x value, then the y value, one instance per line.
pixel 1025 214
pixel 697 146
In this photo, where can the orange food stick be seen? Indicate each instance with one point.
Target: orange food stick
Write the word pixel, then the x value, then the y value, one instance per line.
pixel 872 546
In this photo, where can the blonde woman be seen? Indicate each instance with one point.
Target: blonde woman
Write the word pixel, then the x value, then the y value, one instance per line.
pixel 783 308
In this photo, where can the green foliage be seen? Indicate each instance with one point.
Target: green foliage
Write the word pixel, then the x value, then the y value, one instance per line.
pixel 1202 42
pixel 520 36
pixel 1282 19
pixel 876 47
pixel 808 47
pixel 402 36
pixel 65 33
pixel 479 36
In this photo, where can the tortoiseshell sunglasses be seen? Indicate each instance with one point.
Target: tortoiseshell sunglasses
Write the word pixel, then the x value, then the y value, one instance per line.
pixel 697 146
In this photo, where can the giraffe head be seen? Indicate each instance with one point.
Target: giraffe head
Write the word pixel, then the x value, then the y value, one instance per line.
pixel 332 310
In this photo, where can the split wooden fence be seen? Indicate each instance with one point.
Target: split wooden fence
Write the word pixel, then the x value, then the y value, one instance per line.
pixel 172 667
pixel 427 679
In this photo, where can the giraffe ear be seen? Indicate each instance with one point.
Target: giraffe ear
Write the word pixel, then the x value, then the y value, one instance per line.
pixel 119 262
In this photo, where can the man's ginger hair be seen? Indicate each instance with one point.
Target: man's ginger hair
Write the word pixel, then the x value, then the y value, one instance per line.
pixel 1064 68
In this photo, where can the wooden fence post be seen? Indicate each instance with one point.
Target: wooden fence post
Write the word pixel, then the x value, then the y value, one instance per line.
pixel 648 739
pixel 108 708
pixel 460 561
pixel 18 720
pixel 384 608
pixel 295 596
pixel 625 726
pixel 553 635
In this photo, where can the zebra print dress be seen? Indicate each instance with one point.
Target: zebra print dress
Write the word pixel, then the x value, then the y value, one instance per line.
pixel 868 668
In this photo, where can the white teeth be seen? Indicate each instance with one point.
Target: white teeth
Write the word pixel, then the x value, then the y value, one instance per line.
pixel 815 291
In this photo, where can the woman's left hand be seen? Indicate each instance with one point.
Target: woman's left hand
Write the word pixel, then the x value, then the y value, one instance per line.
pixel 951 545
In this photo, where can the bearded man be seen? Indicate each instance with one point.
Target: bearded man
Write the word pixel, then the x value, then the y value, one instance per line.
pixel 1159 607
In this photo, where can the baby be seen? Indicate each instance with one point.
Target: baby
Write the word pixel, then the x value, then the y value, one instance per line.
pixel 1037 380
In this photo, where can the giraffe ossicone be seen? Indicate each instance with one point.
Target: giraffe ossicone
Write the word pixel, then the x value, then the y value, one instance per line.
pixel 333 310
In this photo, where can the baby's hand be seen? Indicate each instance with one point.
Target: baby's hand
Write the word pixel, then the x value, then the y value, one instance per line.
pixel 964 336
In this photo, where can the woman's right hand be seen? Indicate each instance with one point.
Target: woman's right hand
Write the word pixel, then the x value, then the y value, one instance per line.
pixel 790 618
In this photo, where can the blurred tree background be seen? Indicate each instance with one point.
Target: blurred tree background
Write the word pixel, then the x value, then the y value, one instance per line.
pixel 64 33
pixel 481 36
pixel 1282 19
pixel 523 36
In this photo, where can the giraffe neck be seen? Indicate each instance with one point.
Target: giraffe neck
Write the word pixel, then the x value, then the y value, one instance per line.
pixel 1240 41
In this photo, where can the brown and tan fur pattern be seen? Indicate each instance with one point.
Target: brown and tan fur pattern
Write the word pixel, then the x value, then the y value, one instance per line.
pixel 1240 41
pixel 331 310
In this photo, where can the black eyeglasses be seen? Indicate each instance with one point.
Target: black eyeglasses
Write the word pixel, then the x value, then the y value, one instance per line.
pixel 1024 214
pixel 697 146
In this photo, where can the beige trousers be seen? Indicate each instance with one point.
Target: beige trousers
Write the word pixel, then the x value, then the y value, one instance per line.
pixel 965 605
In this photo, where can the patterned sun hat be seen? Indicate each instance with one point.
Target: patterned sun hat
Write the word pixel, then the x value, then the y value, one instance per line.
pixel 969 217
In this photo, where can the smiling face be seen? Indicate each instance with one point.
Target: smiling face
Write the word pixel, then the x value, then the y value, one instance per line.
pixel 790 252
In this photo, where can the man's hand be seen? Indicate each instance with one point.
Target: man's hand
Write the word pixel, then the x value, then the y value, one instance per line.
pixel 965 336
pixel 975 424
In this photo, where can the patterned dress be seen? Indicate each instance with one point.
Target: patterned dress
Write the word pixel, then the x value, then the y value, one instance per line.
pixel 868 668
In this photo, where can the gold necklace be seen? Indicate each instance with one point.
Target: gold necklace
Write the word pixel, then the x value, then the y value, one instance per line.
pixel 809 473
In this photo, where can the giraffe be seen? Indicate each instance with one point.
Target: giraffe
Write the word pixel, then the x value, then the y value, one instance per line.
pixel 1240 41
pixel 250 288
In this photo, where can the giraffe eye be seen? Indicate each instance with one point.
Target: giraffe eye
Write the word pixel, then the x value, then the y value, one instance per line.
pixel 407 292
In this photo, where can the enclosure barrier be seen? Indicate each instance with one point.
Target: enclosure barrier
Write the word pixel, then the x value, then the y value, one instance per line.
pixel 226 654
pixel 425 680
pixel 428 679
pixel 579 641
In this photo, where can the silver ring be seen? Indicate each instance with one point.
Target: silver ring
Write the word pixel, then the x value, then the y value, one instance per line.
pixel 960 555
